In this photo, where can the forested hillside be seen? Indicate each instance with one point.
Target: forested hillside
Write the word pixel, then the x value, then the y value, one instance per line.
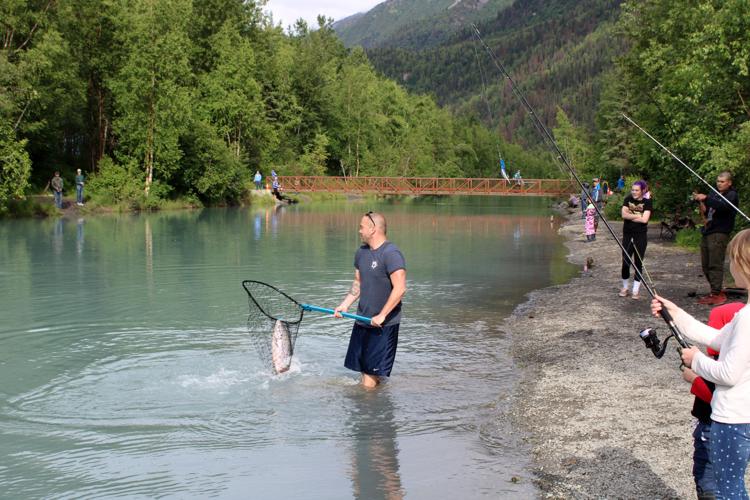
pixel 187 98
pixel 556 51
pixel 413 23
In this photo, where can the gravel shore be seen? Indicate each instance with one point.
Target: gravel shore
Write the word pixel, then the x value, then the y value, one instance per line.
pixel 603 416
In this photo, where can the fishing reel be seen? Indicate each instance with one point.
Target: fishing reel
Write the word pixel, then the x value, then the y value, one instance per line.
pixel 651 339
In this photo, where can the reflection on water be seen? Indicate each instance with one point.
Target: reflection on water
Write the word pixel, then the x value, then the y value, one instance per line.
pixel 57 237
pixel 149 244
pixel 375 468
pixel 257 226
pixel 79 236
pixel 135 376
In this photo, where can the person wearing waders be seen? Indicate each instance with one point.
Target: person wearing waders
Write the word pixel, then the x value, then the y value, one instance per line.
pixel 379 284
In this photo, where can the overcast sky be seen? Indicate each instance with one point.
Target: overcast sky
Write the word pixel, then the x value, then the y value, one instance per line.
pixel 288 11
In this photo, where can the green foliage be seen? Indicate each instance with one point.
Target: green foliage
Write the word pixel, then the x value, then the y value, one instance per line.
pixel 210 168
pixel 414 23
pixel 575 145
pixel 178 102
pixel 689 238
pixel 313 160
pixel 685 80
pixel 116 184
pixel 152 89
pixel 613 209
pixel 232 98
pixel 29 207
pixel 15 166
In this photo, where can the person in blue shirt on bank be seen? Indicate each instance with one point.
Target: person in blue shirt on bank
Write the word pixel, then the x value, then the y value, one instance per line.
pixel 379 285
pixel 620 184
pixel 257 179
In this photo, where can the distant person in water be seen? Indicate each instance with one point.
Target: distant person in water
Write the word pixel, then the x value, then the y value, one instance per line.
pixel 379 284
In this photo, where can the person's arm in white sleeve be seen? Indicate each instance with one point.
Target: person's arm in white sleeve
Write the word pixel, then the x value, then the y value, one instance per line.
pixel 700 332
pixel 735 356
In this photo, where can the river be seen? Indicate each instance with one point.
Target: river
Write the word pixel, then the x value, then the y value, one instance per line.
pixel 126 369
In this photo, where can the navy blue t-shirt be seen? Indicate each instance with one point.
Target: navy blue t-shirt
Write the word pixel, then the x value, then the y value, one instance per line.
pixel 375 268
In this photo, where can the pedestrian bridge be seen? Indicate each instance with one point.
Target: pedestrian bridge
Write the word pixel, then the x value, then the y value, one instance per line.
pixel 416 186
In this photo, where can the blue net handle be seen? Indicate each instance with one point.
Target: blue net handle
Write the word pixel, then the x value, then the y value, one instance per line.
pixel 364 319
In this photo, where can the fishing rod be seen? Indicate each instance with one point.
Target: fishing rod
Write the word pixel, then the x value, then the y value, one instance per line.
pixel 686 166
pixel 560 157
pixel 489 112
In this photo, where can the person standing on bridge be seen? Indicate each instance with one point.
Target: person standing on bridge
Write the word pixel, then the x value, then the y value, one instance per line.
pixel 379 285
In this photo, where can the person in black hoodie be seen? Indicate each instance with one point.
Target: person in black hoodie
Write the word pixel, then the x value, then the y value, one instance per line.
pixel 719 224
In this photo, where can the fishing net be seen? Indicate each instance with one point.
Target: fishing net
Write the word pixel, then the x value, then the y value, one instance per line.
pixel 273 323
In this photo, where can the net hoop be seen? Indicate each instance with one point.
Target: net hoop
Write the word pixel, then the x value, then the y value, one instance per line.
pixel 267 306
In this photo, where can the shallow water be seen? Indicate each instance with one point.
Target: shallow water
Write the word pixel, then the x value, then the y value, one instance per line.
pixel 126 369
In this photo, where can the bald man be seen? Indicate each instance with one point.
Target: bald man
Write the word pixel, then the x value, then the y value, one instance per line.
pixel 379 284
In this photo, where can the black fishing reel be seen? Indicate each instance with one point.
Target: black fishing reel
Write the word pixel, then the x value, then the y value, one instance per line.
pixel 652 341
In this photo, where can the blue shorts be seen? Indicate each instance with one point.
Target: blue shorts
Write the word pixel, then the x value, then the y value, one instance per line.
pixel 372 350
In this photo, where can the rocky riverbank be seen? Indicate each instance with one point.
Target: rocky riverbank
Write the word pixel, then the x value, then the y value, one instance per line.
pixel 604 417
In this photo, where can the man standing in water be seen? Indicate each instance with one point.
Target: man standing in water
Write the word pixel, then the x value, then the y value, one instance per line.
pixel 379 284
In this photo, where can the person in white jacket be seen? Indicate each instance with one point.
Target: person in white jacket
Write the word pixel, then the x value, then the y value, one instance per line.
pixel 730 406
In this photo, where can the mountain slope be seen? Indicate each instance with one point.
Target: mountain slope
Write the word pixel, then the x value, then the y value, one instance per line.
pixel 426 21
pixel 555 50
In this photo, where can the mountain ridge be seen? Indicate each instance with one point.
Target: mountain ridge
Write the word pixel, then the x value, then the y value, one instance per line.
pixel 556 50
pixel 432 19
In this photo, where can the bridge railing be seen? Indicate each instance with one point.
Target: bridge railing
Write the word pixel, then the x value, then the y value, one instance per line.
pixel 429 185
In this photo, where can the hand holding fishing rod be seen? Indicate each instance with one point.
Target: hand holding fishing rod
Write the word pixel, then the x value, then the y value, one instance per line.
pixel 661 307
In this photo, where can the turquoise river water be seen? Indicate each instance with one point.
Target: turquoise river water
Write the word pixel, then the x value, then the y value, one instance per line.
pixel 126 370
